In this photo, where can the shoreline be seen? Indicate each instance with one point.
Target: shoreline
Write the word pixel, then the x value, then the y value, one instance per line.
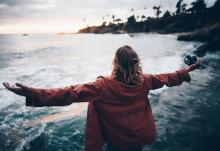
pixel 209 45
pixel 191 25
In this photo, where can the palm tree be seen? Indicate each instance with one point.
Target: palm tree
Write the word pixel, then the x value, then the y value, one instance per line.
pixel 113 18
pixel 154 8
pixel 157 10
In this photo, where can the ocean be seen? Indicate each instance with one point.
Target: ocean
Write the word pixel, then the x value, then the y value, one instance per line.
pixel 187 116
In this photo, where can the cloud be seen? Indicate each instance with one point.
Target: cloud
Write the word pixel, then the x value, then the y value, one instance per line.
pixel 23 2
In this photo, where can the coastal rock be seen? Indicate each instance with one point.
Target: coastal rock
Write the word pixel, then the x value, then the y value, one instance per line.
pixel 205 34
pixel 211 46
pixel 88 29
pixel 209 35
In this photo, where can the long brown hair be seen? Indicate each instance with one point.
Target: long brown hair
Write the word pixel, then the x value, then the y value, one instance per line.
pixel 126 66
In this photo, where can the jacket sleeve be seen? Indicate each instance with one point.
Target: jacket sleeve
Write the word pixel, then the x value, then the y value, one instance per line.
pixel 64 96
pixel 156 81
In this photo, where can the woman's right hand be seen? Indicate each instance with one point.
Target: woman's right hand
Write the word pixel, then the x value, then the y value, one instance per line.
pixel 18 88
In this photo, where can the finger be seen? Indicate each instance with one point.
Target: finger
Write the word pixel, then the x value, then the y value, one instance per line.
pixel 194 66
pixel 10 87
pixel 4 83
pixel 198 62
pixel 22 89
pixel 21 85
pixel 7 85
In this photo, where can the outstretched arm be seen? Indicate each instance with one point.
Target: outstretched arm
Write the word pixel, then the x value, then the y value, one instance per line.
pixel 58 96
pixel 156 81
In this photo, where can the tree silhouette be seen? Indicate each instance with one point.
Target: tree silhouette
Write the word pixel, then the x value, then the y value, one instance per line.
pixel 131 24
pixel 113 18
pixel 166 14
pixel 198 6
pixel 183 7
pixel 118 20
pixel 104 23
pixel 157 10
pixel 143 17
pixel 179 6
pixel 131 20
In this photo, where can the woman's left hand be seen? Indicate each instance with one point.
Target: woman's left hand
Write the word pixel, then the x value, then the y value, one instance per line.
pixel 194 66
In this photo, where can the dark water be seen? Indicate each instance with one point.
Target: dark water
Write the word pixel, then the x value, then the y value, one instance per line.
pixel 187 116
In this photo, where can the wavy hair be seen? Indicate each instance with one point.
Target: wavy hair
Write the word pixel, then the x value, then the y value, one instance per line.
pixel 127 66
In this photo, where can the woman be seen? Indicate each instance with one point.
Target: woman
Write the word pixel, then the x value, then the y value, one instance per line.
pixel 119 112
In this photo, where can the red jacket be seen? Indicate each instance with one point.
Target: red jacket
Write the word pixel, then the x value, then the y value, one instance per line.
pixel 118 113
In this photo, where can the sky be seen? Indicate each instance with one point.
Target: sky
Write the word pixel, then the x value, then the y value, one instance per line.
pixel 67 16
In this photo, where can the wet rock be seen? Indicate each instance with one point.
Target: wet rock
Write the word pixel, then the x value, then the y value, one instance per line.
pixel 209 35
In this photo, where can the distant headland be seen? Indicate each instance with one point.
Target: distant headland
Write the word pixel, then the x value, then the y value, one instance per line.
pixel 196 23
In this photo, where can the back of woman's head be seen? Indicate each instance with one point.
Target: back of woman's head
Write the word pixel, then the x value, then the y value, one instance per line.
pixel 127 66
